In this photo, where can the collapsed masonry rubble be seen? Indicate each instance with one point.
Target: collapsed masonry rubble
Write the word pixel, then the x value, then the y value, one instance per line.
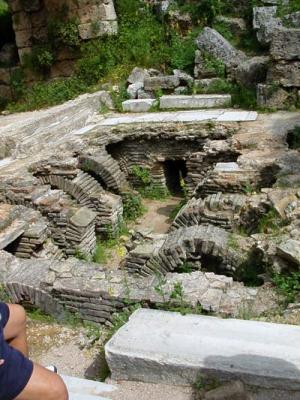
pixel 59 193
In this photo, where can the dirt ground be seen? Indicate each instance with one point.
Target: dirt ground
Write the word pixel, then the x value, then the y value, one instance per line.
pixel 157 216
pixel 63 346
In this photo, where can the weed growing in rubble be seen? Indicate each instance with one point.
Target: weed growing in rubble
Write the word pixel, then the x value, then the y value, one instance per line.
pixel 146 187
pixel 174 301
pixel 288 285
pixel 271 222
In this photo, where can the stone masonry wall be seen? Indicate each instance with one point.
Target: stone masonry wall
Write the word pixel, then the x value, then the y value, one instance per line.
pixel 31 21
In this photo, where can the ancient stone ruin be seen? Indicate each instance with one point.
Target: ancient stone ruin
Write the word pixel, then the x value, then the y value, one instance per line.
pixel 60 192
pixel 73 176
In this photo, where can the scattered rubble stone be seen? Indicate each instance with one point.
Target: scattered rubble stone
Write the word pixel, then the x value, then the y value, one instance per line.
pixel 265 23
pixel 212 42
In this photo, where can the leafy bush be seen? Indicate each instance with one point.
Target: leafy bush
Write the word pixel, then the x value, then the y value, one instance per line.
pixel 40 59
pixel 3 8
pixel 132 206
pixel 214 65
pixel 63 32
pixel 120 96
pixel 182 51
pixel 288 285
pixel 270 222
pixel 146 186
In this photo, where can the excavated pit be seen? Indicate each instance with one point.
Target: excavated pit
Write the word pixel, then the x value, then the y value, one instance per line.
pixel 81 194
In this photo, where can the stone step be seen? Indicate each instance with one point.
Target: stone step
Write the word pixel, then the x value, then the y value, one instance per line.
pixel 182 116
pixel 140 105
pixel 195 101
pixel 157 346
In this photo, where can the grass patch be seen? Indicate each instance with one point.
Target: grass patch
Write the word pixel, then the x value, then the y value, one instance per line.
pixel 106 247
pixel 47 94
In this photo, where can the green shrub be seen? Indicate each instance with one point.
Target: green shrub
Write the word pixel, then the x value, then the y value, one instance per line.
pixel 288 285
pixel 146 186
pixel 214 65
pixel 270 222
pixel 132 206
pixel 3 8
pixel 40 59
pixel 17 83
pixel 119 97
pixel 182 51
pixel 63 32
pixel 48 94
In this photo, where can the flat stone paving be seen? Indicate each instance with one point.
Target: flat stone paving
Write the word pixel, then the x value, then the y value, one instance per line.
pixel 83 389
pixel 182 116
pixel 158 346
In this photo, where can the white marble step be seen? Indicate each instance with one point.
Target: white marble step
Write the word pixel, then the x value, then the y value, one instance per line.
pixel 84 389
pixel 139 105
pixel 182 116
pixel 164 347
pixel 194 101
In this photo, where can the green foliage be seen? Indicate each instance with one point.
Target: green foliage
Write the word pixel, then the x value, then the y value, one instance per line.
pixel 121 318
pixel 142 174
pixel 288 285
pixel 287 7
pixel 4 296
pixel 17 82
pixel 246 41
pixel 294 138
pixel 271 222
pixel 206 383
pixel 176 302
pixel 40 59
pixel 243 97
pixel 63 32
pixel 36 314
pixel 185 268
pixel 112 244
pixel 176 209
pixel 249 188
pixel 204 12
pixel 81 256
pixel 213 65
pixel 182 51
pixel 177 292
pixel 119 97
pixel 3 8
pixel 145 184
pixel 217 86
pixel 132 206
pixel 233 242
pixel 48 94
